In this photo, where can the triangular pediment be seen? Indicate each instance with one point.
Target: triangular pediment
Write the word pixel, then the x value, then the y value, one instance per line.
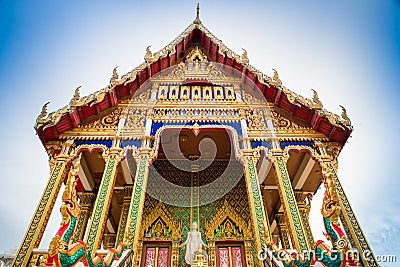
pixel 196 44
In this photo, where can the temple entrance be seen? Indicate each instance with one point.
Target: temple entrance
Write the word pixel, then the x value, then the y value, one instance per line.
pixel 184 188
pixel 230 254
pixel 156 254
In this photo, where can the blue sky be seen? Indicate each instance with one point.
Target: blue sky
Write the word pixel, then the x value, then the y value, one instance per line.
pixel 349 51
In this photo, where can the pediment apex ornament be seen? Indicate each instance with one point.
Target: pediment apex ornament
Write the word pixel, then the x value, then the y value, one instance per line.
pixel 197 70
pixel 149 55
pixel 196 53
pixel 197 20
pixel 75 99
pixel 244 57
pixel 42 116
pixel 317 104
pixel 276 81
pixel 346 119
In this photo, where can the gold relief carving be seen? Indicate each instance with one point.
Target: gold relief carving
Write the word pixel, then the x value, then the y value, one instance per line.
pixel 109 121
pixel 248 249
pixel 159 224
pixel 196 114
pixel 284 234
pixel 286 129
pixel 227 222
pixel 250 99
pixel 281 122
pixel 109 241
pixel 135 119
pixel 196 53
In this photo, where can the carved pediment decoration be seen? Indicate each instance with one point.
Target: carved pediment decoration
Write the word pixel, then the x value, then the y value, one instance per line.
pixel 196 55
pixel 227 224
pixel 159 224
pixel 109 121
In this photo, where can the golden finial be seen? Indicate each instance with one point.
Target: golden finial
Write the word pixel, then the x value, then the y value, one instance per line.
pixel 276 80
pixel 317 102
pixel 148 56
pixel 197 20
pixel 245 59
pixel 43 114
pixel 114 78
pixel 77 96
pixel 346 119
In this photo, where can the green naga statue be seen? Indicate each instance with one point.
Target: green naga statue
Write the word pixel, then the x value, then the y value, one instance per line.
pixel 62 251
pixel 335 254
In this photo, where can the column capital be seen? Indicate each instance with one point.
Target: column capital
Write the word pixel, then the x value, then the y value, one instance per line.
pixel 278 155
pixel 128 191
pixel 86 198
pixel 116 152
pixel 250 154
pixel 280 218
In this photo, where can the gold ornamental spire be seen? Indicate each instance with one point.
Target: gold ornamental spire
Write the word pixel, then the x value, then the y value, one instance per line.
pixel 197 20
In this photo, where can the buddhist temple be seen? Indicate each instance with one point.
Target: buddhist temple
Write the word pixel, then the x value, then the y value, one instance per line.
pixel 195 158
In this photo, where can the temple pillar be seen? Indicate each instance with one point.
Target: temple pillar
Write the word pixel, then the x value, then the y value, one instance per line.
pixel 86 204
pixel 124 214
pixel 132 228
pixel 284 234
pixel 248 250
pixel 40 218
pixel 175 253
pixel 212 253
pixel 103 201
pixel 304 209
pixel 291 210
pixel 347 216
pixel 109 241
pixel 261 227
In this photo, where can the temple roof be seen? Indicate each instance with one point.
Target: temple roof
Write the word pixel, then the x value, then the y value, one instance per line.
pixel 309 113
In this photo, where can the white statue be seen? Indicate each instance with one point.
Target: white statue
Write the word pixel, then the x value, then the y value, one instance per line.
pixel 194 245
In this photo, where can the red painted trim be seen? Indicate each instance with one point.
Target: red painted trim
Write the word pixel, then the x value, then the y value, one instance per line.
pixel 270 92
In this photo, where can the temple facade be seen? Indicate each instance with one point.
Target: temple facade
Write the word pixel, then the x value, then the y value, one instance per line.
pixel 193 158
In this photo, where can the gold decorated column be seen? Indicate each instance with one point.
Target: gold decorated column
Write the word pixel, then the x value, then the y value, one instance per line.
pixel 124 214
pixel 260 221
pixel 305 212
pixel 291 210
pixel 103 200
pixel 283 230
pixel 86 204
pixel 137 202
pixel 348 218
pixel 41 216
pixel 109 241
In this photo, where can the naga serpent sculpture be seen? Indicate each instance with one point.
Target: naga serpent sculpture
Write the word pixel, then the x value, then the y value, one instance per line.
pixel 64 253
pixel 334 255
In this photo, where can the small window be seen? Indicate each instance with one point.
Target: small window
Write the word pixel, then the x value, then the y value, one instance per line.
pixel 196 92
pixel 163 92
pixel 185 92
pixel 173 92
pixel 229 93
pixel 207 93
pixel 218 93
